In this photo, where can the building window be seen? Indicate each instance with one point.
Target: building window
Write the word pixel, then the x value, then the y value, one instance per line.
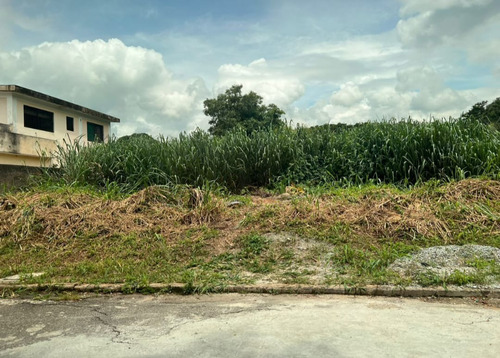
pixel 70 124
pixel 95 132
pixel 38 119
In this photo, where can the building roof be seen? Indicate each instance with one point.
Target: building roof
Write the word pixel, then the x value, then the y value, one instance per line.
pixel 57 101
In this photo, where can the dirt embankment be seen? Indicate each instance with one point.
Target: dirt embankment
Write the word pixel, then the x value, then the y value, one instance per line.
pixel 351 232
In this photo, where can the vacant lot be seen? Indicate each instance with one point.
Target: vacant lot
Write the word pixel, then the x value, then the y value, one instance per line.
pixel 209 239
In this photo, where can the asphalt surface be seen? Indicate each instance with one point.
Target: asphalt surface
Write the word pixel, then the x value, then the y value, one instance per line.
pixel 233 325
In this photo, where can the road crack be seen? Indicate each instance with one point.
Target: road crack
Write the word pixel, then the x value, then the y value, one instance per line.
pixel 103 318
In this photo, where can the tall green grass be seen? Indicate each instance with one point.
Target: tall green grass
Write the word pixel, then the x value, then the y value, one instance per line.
pixel 402 152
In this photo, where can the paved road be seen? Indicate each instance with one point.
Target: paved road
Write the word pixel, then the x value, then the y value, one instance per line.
pixel 247 326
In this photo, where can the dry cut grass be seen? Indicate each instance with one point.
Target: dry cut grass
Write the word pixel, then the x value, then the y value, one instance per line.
pixel 166 235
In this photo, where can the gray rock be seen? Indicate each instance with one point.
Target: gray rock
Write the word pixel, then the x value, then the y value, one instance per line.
pixel 234 203
pixel 17 278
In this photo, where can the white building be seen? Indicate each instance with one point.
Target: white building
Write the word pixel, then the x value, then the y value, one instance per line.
pixel 32 123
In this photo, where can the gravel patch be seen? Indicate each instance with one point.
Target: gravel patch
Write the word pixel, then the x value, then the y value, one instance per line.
pixel 296 242
pixel 444 260
pixel 319 271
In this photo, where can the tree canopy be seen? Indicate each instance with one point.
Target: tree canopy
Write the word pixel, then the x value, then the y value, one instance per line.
pixel 486 113
pixel 233 109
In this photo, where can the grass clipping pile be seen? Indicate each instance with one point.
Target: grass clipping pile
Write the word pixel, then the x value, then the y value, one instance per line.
pixel 57 218
pixel 354 236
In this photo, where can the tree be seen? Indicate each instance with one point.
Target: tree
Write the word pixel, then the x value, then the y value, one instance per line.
pixel 493 112
pixel 233 109
pixel 137 137
pixel 477 111
pixel 486 113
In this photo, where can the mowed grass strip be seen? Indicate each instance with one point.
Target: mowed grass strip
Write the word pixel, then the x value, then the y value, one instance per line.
pixel 307 235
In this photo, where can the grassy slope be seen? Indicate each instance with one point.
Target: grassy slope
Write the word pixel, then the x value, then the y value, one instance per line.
pixel 307 235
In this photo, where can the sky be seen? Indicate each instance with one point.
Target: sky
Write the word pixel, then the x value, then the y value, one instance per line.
pixel 152 63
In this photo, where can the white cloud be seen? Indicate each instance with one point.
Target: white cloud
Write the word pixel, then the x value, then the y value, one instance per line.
pixel 449 22
pixel 429 93
pixel 418 92
pixel 484 47
pixel 437 102
pixel 348 95
pixel 270 83
pixel 387 102
pixel 129 82
pixel 361 112
pixel 417 79
pixel 356 49
pixel 438 60
pixel 414 6
pixel 372 93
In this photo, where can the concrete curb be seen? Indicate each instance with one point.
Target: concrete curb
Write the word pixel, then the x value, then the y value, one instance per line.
pixel 180 288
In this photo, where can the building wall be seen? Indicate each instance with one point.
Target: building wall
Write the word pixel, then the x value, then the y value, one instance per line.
pixel 22 161
pixel 23 149
pixel 14 176
pixel 60 114
pixel 3 110
pixel 24 146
